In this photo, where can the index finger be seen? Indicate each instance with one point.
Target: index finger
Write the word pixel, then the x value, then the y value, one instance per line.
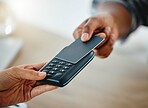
pixel 78 31
pixel 35 67
pixel 38 66
pixel 90 28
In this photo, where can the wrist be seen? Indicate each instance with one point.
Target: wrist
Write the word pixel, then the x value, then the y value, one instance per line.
pixel 121 17
pixel 2 80
pixel 5 80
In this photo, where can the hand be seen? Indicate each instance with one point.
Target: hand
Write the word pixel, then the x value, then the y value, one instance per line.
pixel 102 25
pixel 18 84
pixel 112 22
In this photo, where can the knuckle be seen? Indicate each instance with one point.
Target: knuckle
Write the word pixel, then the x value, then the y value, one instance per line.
pixel 28 67
pixel 77 33
pixel 97 20
pixel 86 28
pixel 94 18
pixel 111 42
pixel 106 55
pixel 108 36
pixel 103 56
pixel 15 69
pixel 33 73
pixel 74 34
pixel 78 28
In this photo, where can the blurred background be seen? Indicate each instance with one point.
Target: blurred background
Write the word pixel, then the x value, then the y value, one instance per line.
pixel 35 30
pixel 60 17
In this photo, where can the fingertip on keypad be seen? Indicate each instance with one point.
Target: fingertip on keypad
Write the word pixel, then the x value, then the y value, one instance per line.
pixel 56 68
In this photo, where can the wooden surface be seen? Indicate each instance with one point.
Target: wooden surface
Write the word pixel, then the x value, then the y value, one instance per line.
pixel 116 82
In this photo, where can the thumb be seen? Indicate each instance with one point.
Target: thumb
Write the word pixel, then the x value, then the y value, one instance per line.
pixel 32 75
pixel 27 74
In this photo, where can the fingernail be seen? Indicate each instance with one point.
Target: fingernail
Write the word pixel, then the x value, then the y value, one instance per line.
pixel 42 73
pixel 102 35
pixel 85 37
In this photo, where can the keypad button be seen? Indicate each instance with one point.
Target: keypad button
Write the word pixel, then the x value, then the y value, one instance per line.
pixel 62 70
pixel 65 67
pixel 55 69
pixel 55 61
pixel 58 66
pixel 52 72
pixel 61 63
pixel 68 64
pixel 49 75
pixel 51 64
pixel 48 67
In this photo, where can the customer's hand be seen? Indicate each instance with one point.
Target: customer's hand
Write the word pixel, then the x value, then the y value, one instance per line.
pixel 113 21
pixel 18 84
pixel 102 25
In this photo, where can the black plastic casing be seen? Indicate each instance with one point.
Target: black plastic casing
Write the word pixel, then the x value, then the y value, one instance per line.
pixel 71 73
pixel 77 53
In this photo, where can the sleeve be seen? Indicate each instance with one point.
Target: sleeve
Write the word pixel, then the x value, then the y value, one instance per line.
pixel 137 8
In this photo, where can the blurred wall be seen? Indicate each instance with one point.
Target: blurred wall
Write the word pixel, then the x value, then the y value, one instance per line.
pixel 59 16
